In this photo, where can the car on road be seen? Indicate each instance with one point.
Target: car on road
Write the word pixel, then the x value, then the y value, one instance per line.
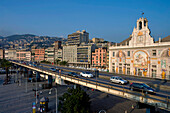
pixel 117 79
pixel 86 74
pixel 52 69
pixel 73 74
pixel 142 87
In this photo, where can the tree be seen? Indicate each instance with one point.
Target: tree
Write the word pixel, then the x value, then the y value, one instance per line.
pixel 5 64
pixel 63 63
pixel 57 61
pixel 74 101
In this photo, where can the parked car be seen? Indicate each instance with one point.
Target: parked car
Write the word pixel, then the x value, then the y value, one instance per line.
pixel 141 86
pixel 52 69
pixel 86 74
pixel 119 80
pixel 73 74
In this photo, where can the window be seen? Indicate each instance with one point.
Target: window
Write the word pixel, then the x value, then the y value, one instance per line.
pixel 154 52
pixel 154 66
pixel 128 53
pixel 128 71
pixel 127 64
pixel 113 54
pixel 113 69
pixel 153 73
pixel 120 64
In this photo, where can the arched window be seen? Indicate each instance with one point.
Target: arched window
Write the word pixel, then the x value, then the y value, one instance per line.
pixel 144 22
pixel 140 25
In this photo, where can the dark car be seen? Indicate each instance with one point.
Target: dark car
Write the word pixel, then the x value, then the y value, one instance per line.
pixel 142 87
pixel 73 74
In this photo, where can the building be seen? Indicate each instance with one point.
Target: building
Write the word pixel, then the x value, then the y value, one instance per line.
pixel 97 40
pixel 39 55
pixel 57 45
pixel 78 37
pixel 23 55
pixel 70 53
pixel 59 54
pixel 2 54
pixel 139 55
pixel 11 54
pixel 49 54
pixel 78 55
pixel 99 58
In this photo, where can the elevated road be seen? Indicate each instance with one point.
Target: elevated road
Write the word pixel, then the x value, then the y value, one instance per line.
pixel 154 100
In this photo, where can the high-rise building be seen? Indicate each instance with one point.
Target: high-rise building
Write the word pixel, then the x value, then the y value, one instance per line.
pixel 78 55
pixel 78 37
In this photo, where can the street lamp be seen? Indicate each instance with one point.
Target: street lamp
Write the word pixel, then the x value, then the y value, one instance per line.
pixel 56 98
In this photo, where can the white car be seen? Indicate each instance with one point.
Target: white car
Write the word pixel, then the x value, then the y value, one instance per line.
pixel 118 80
pixel 86 74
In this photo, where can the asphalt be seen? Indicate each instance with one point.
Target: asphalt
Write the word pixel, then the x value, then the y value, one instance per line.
pixel 14 99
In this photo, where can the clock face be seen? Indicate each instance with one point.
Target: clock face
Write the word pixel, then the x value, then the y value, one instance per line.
pixel 140 38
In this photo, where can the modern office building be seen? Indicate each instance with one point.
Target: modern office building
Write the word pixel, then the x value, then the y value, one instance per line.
pixel 50 54
pixel 70 53
pixel 23 55
pixel 99 58
pixel 78 38
pixel 39 55
pixel 78 55
pixel 59 54
pixel 139 55
pixel 11 54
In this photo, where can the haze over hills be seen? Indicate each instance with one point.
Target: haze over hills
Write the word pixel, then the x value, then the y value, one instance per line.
pixel 29 39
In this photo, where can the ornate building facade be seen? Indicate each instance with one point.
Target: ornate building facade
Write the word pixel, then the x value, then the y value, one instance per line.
pixel 139 55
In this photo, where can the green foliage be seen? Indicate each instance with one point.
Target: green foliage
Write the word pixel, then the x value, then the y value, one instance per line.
pixel 64 63
pixel 74 101
pixel 57 61
pixel 47 62
pixel 4 63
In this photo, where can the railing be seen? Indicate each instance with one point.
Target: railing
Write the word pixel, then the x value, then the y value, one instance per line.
pixel 122 92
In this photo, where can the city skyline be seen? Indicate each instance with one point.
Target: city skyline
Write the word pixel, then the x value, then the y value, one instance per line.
pixel 112 20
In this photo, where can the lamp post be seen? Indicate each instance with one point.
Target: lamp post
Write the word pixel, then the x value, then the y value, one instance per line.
pixel 56 98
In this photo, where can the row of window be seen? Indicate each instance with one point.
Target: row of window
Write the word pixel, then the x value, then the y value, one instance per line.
pixel 128 53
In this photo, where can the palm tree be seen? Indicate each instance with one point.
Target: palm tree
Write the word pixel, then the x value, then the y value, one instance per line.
pixel 5 64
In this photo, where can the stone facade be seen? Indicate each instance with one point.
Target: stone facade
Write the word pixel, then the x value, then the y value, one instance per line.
pixel 140 55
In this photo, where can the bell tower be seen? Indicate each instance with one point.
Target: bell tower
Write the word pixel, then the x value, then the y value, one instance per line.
pixel 141 34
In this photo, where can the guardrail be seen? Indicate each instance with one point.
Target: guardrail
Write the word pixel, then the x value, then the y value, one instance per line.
pixel 153 100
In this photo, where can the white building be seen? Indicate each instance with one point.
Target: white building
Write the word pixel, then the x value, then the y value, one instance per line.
pixel 139 55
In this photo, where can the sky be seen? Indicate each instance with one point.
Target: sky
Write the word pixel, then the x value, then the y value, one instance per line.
pixel 112 20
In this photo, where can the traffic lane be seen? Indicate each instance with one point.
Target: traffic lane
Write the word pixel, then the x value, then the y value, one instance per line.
pixel 160 91
pixel 160 82
pixel 109 84
pixel 165 93
pixel 123 88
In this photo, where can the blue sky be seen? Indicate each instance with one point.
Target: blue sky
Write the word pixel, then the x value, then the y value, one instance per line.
pixel 112 20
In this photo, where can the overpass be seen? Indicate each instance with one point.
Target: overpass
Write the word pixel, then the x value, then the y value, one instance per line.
pixel 153 100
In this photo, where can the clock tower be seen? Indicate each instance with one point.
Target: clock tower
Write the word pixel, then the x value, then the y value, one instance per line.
pixel 141 34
